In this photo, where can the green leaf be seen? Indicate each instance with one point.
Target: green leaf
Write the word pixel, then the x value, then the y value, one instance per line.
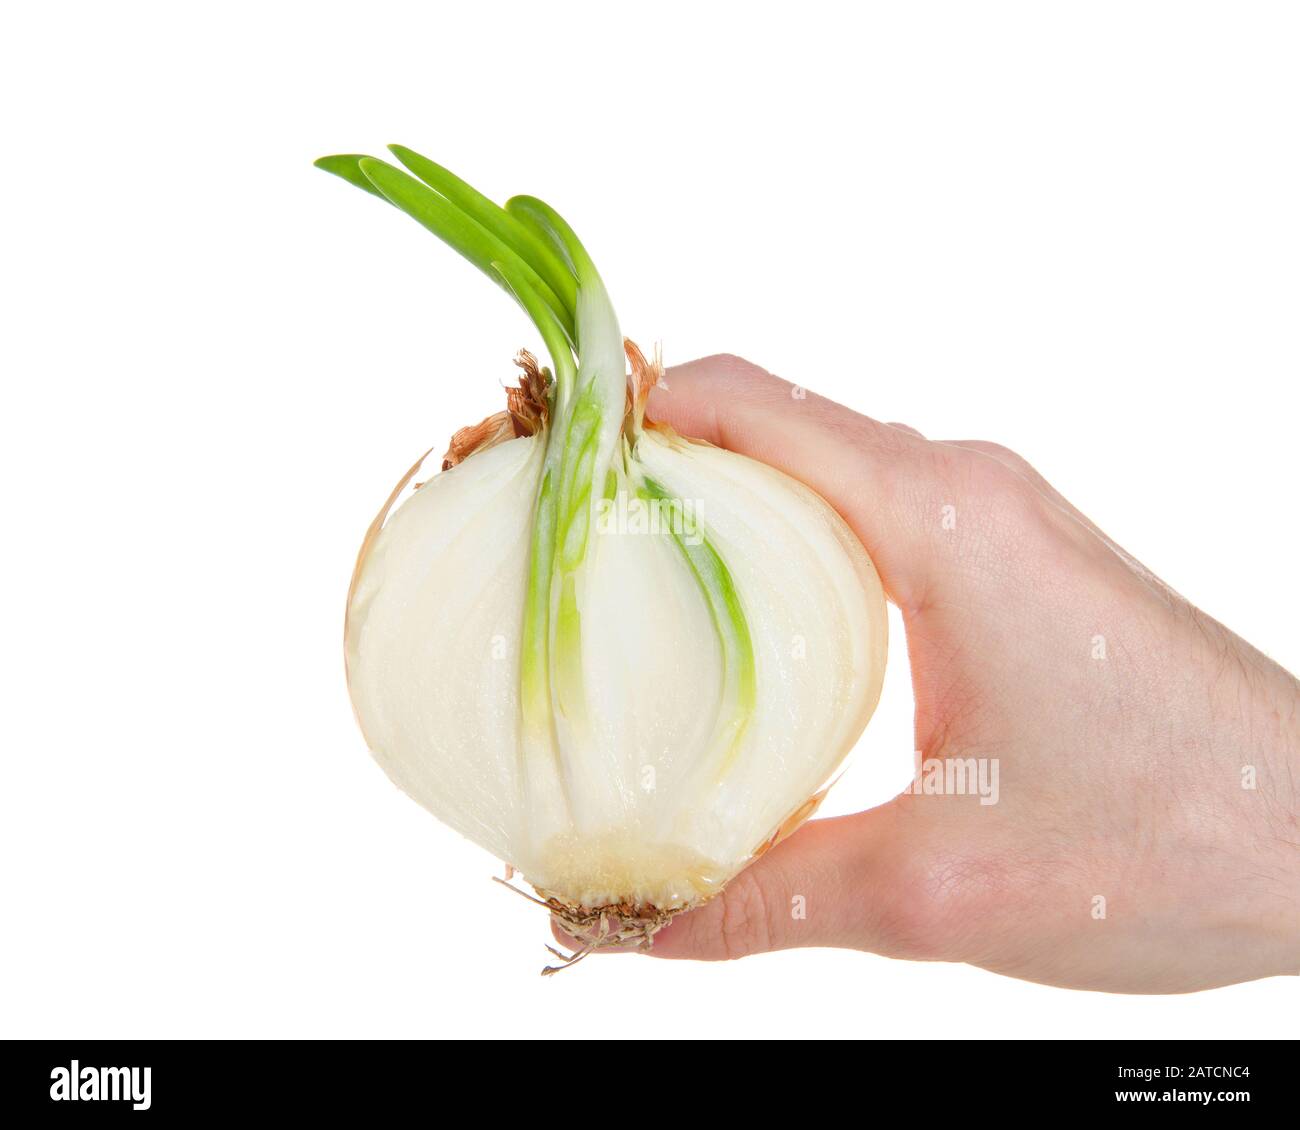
pixel 551 226
pixel 535 669
pixel 348 166
pixel 458 230
pixel 543 317
pixel 740 689
pixel 530 247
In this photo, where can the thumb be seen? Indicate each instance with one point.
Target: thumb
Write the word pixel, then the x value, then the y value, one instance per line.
pixel 833 883
pixel 884 480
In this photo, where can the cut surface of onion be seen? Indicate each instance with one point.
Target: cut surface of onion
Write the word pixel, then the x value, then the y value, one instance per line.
pixel 622 661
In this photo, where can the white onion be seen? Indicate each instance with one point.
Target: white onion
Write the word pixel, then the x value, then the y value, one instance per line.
pixel 670 698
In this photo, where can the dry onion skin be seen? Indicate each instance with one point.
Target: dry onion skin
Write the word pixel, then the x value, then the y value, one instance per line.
pixel 623 661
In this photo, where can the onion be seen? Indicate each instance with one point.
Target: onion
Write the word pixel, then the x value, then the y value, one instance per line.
pixel 621 660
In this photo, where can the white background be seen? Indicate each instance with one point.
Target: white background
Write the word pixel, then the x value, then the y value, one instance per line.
pixel 1069 228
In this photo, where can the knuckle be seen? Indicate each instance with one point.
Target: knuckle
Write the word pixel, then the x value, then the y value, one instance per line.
pixel 998 490
pixel 982 451
pixel 950 900
pixel 997 451
pixel 746 917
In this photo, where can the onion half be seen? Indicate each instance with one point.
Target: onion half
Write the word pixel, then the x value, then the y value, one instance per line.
pixel 620 660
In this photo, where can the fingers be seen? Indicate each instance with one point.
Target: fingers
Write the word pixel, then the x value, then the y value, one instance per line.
pixel 848 882
pixel 883 479
pixel 1021 467
pixel 830 884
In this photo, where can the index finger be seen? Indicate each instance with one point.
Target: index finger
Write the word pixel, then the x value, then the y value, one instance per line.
pixel 882 480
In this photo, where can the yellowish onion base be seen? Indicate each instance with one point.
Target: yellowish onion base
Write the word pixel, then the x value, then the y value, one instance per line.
pixel 613 926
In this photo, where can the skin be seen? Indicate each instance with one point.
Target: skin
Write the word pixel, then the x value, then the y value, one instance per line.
pixel 1120 777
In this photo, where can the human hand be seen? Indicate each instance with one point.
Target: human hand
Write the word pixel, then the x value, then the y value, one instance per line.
pixel 1126 778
